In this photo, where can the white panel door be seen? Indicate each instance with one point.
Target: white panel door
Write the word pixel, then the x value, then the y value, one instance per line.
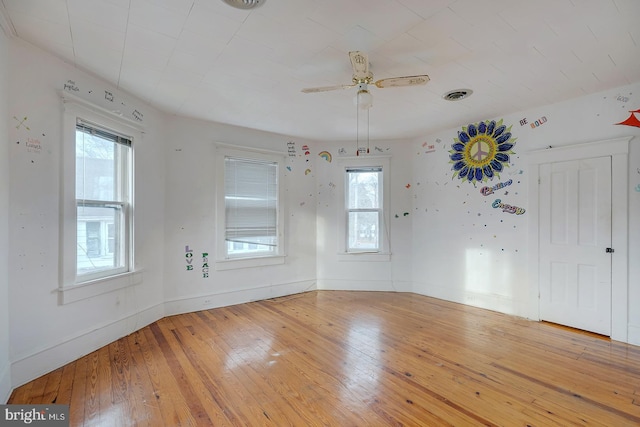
pixel 575 234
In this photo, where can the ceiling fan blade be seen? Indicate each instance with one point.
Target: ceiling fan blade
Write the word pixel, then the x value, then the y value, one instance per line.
pixel 360 64
pixel 326 88
pixel 402 81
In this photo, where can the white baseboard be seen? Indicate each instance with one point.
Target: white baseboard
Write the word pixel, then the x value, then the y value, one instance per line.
pixel 32 366
pixel 358 285
pixel 29 367
pixel 494 302
pixel 402 286
pixel 240 296
pixel 5 384
pixel 633 336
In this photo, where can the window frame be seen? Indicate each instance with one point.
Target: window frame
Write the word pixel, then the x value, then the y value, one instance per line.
pixel 379 210
pixel 121 203
pixel 72 286
pixel 223 260
pixel 383 253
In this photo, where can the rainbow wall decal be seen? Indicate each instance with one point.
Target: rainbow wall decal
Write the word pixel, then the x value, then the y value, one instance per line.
pixel 325 155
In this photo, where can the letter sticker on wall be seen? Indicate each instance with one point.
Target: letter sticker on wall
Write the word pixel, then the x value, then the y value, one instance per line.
pixel 205 265
pixel 189 257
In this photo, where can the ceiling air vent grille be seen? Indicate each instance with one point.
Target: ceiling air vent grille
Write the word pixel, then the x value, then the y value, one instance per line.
pixel 457 95
pixel 245 4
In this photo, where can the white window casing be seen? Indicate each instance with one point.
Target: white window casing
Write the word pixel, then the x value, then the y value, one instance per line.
pixel 97 248
pixel 372 242
pixel 249 207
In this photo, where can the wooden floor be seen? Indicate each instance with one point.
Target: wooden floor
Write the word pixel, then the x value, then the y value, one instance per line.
pixel 332 358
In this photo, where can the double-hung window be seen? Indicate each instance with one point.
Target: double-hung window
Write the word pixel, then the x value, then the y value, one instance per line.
pixel 363 232
pixel 364 208
pixel 103 202
pixel 250 215
pixel 97 226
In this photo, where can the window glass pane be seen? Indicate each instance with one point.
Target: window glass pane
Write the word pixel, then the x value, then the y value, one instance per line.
pixel 97 249
pixel 111 236
pixel 363 230
pixel 363 190
pixel 95 167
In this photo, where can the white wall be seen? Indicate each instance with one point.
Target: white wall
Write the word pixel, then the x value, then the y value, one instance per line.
pixel 446 239
pixel 174 208
pixel 5 368
pixel 466 251
pixel 191 220
pixel 43 333
pixel 358 272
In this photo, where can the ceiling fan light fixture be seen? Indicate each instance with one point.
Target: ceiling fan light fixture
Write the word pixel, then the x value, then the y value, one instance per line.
pixel 364 99
pixel 245 4
pixel 457 95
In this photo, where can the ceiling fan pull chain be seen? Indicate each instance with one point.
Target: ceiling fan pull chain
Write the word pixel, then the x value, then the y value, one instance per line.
pixel 357 129
pixel 368 130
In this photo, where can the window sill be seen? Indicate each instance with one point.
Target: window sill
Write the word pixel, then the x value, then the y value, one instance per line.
pixel 92 288
pixel 232 264
pixel 364 256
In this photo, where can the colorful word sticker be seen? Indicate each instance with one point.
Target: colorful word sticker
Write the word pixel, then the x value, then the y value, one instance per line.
pixel 485 191
pixel 507 208
pixel 538 122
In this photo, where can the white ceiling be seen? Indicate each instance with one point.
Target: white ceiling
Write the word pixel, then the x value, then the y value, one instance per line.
pixel 204 59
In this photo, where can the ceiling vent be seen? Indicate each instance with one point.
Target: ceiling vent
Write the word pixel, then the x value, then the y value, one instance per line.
pixel 457 95
pixel 245 4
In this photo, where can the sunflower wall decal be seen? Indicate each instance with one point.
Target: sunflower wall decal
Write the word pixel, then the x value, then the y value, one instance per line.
pixel 481 151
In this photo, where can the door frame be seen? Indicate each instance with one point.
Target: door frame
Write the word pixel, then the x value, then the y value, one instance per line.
pixel 618 149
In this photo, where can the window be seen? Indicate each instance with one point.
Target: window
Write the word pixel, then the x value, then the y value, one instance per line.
pixel 250 213
pixel 103 197
pixel 364 216
pixel 96 227
pixel 364 208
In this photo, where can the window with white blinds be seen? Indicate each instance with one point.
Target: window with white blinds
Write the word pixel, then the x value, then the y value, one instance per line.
pixel 251 206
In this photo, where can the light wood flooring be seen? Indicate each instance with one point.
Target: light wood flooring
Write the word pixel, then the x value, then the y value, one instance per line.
pixel 333 358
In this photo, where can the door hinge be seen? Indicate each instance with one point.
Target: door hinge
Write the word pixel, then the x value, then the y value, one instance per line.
pixel 610 250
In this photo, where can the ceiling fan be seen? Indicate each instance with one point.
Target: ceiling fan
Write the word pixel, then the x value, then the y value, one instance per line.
pixel 362 77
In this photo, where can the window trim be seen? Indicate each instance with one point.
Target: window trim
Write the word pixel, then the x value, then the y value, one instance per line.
pixel 384 253
pixel 76 109
pixel 223 262
pixel 379 210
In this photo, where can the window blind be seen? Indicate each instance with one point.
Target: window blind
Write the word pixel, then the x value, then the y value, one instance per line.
pixel 364 169
pixel 251 201
pixel 91 129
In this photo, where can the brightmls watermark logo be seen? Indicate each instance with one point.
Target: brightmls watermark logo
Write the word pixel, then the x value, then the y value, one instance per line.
pixel 34 415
